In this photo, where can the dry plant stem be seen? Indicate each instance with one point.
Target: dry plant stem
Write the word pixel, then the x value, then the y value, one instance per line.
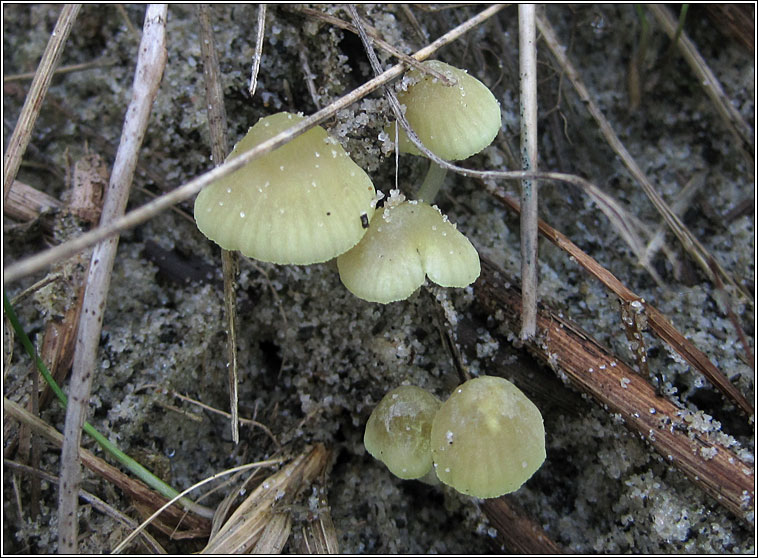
pixel 259 34
pixel 519 533
pixel 682 202
pixel 529 188
pixel 731 116
pixel 94 501
pixel 655 319
pixel 29 112
pixel 133 488
pixel 219 148
pixel 593 370
pixel 688 241
pixel 133 218
pixel 150 65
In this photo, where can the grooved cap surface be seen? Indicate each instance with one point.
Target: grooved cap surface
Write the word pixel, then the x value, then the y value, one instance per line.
pixel 305 202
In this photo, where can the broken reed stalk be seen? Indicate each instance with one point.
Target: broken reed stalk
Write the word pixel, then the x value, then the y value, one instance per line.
pixel 690 244
pixel 150 64
pixel 529 153
pixel 725 109
pixel 196 525
pixel 22 133
pixel 655 319
pixel 123 544
pixel 262 522
pixel 103 507
pixel 25 203
pixel 590 368
pixel 214 96
pixel 42 260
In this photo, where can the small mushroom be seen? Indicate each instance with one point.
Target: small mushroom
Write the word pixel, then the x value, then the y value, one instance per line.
pixel 487 439
pixel 305 202
pixel 453 121
pixel 408 241
pixel 397 432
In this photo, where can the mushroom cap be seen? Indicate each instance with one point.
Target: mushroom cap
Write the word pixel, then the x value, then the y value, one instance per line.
pixel 305 202
pixel 454 121
pixel 402 245
pixel 488 438
pixel 397 432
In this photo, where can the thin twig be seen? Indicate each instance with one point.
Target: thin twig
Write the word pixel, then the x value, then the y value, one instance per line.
pixel 250 422
pixel 150 65
pixel 29 112
pixel 529 188
pixel 64 69
pixel 140 215
pixel 259 34
pixel 214 96
pixel 691 244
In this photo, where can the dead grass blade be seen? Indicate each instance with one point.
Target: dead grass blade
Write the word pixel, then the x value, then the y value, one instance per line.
pixel 214 95
pixel 725 109
pixel 131 487
pixel 690 244
pixel 655 320
pixel 258 523
pixel 42 78
pixel 150 543
pixel 678 435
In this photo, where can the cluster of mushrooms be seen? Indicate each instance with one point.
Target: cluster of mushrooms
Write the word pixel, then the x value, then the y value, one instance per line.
pixel 486 440
pixel 307 202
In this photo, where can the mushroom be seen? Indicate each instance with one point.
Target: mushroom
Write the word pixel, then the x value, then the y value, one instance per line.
pixel 452 121
pixel 487 439
pixel 305 202
pixel 408 241
pixel 397 432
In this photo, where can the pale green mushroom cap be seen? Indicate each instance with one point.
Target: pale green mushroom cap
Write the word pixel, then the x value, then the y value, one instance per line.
pixel 487 439
pixel 453 122
pixel 397 432
pixel 406 242
pixel 303 203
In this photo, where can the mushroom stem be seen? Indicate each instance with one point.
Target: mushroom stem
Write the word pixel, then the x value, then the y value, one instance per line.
pixel 435 176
